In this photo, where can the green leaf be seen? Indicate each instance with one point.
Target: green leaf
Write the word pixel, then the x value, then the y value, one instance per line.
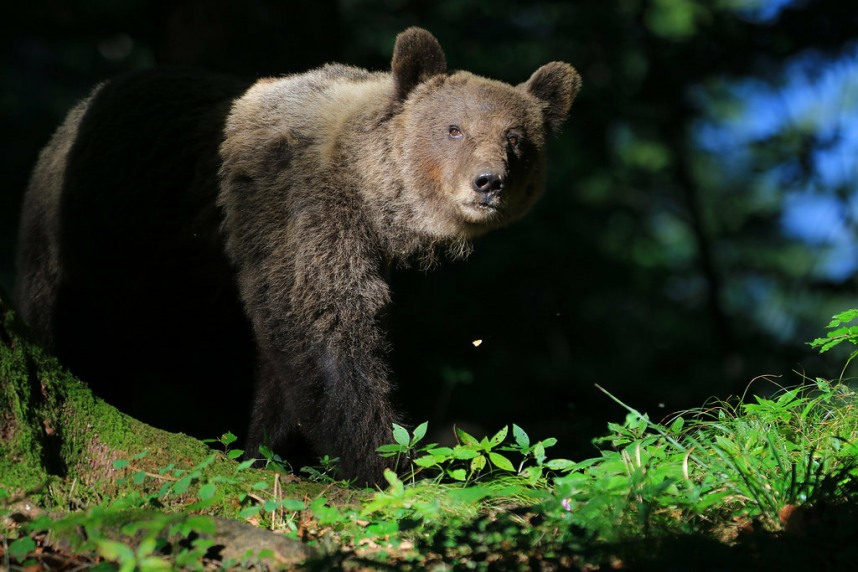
pixel 204 543
pixel 425 461
pixel 550 442
pixel 396 486
pixel 419 433
pixel 839 332
pixel 266 452
pixel 711 500
pixel 843 317
pixel 458 474
pixel 465 437
pixel 146 546
pixel 207 491
pixel 234 453
pixel 500 461
pixel 271 505
pixel 249 511
pixel 498 437
pixel 182 484
pixel 228 438
pixel 244 465
pixel 324 513
pixel 470 495
pixel 677 425
pixel 440 453
pixel 539 453
pixel 478 463
pixel 521 438
pixel 532 474
pixel 560 464
pixel 293 504
pixel 120 464
pixel 823 385
pixel 464 453
pixel 116 551
pixel 400 435
pixel 383 528
pixel 260 485
pixel 787 397
pixel 390 449
pixel 139 477
pixel 207 461
pixel 154 564
pixel 21 547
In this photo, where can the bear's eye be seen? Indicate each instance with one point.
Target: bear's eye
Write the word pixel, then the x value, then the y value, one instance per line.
pixel 512 139
pixel 455 132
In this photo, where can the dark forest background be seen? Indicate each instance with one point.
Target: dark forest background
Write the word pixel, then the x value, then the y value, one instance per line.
pixel 695 233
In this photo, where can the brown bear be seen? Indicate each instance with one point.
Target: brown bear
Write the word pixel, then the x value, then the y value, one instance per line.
pixel 168 197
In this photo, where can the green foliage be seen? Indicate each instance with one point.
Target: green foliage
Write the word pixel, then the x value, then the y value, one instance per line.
pixel 133 539
pixel 840 332
pixel 139 529
pixel 324 472
pixel 471 459
pixel 706 469
pixel 744 461
pixel 226 440
pixel 20 547
pixel 501 498
pixel 728 463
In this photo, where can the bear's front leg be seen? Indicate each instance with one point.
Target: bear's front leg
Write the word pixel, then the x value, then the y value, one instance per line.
pixel 322 351
pixel 335 393
pixel 276 413
pixel 355 416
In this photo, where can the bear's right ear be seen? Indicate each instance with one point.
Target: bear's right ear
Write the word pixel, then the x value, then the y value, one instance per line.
pixel 417 56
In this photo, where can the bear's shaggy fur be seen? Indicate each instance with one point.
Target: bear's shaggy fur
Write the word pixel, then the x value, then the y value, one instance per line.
pixel 166 197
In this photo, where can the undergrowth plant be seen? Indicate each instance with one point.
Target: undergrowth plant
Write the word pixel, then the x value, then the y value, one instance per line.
pixel 723 466
pixel 839 333
pixel 472 459
pixel 712 471
pixel 730 462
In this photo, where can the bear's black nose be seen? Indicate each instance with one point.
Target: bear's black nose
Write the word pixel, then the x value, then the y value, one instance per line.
pixel 488 182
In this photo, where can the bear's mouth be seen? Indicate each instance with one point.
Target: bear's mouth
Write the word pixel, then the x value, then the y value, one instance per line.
pixel 484 209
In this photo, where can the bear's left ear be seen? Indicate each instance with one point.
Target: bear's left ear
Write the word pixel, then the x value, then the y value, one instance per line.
pixel 556 85
pixel 417 56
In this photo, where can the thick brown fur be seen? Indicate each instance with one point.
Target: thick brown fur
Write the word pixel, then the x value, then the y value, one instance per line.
pixel 325 179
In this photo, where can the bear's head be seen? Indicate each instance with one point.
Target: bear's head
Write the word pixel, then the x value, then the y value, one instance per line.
pixel 472 150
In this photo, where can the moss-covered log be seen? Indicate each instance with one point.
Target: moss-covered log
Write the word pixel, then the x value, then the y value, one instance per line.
pixel 59 445
pixel 54 428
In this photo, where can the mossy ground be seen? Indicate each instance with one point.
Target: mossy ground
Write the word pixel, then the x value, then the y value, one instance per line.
pixel 61 443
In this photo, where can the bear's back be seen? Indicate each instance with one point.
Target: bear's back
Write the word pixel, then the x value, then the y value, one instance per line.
pixel 309 113
pixel 146 300
pixel 145 156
